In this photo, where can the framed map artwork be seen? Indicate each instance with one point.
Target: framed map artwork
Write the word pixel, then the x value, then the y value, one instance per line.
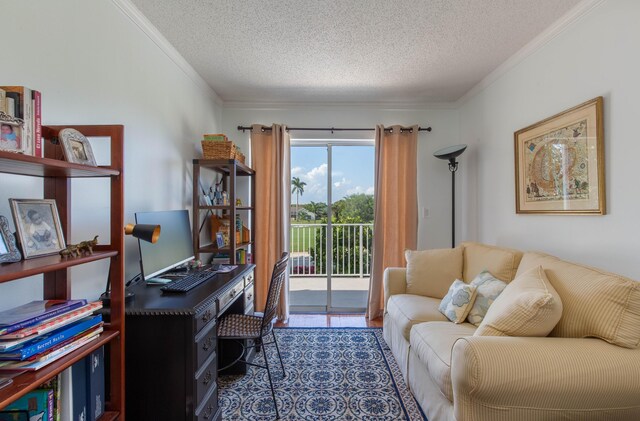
pixel 560 163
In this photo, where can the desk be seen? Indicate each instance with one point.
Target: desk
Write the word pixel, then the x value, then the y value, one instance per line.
pixel 172 352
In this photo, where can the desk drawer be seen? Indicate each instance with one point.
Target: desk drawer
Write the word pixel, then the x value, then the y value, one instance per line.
pixel 206 344
pixel 248 297
pixel 225 299
pixel 248 279
pixel 206 377
pixel 208 408
pixel 205 316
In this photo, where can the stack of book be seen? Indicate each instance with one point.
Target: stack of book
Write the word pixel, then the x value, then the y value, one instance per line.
pixel 41 332
pixel 26 105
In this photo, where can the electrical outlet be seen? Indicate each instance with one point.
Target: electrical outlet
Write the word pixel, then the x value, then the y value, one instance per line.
pixel 425 213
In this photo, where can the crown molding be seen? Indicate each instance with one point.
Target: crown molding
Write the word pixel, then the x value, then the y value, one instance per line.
pixel 141 21
pixel 559 26
pixel 389 106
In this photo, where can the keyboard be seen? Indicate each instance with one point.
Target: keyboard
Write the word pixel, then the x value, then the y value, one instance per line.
pixel 189 282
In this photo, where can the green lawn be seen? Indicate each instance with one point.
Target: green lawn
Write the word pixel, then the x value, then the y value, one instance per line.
pixel 302 238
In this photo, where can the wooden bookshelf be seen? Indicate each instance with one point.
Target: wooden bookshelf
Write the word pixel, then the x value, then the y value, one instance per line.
pixel 56 174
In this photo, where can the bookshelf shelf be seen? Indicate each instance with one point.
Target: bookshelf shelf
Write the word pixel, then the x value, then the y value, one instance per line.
pixel 220 207
pixel 45 264
pixel 24 383
pixel 56 174
pixel 109 416
pixel 212 248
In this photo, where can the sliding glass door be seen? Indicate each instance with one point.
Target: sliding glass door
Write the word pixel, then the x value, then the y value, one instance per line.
pixel 331 225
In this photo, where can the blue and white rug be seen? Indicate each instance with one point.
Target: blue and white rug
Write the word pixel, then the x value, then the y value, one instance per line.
pixel 332 374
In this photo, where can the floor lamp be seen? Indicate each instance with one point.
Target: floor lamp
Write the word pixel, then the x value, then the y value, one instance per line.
pixel 451 153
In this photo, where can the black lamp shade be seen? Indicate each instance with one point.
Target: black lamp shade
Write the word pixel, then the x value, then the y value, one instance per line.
pixel 450 152
pixel 145 232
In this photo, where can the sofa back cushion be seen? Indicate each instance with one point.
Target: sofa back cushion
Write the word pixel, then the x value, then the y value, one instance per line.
pixel 430 273
pixel 500 262
pixel 595 303
pixel 528 306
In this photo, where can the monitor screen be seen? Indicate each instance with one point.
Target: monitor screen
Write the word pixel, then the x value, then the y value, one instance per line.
pixel 173 248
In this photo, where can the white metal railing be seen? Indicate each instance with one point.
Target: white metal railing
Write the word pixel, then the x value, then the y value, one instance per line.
pixel 352 245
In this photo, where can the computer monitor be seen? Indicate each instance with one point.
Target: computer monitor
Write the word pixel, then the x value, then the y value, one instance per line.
pixel 174 247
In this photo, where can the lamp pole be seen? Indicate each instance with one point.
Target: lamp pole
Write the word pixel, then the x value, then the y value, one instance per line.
pixel 451 153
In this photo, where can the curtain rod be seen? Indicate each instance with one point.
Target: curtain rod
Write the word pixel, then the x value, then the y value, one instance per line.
pixel 336 129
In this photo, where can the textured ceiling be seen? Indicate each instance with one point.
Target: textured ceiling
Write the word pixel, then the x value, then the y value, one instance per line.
pixel 411 51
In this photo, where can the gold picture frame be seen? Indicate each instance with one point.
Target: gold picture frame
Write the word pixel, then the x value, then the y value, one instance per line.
pixel 560 163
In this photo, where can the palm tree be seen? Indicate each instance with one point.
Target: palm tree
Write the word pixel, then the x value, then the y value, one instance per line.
pixel 298 189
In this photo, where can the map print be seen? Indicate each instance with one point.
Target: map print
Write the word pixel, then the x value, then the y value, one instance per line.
pixel 557 165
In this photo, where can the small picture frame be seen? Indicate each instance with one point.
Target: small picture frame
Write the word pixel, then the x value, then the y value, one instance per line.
pixel 9 252
pixel 38 226
pixel 11 134
pixel 76 147
pixel 220 240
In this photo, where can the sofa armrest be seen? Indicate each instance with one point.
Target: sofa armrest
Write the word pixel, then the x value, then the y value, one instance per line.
pixel 395 282
pixel 587 378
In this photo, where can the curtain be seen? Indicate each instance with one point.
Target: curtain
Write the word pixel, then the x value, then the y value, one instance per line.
pixel 270 158
pixel 396 206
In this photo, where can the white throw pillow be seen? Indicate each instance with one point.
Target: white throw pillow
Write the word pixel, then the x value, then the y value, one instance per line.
pixel 488 289
pixel 431 272
pixel 458 301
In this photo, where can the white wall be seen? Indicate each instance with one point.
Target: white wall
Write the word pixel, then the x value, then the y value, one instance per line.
pixel 596 55
pixel 95 66
pixel 434 179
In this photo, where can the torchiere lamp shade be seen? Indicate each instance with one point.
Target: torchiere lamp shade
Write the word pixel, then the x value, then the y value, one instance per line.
pixel 451 152
pixel 145 232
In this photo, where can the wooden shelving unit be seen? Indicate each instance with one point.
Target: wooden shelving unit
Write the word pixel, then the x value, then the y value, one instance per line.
pixel 56 175
pixel 230 170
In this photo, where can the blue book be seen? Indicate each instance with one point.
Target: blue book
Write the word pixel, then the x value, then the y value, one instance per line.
pixel 95 384
pixel 79 391
pixel 51 339
pixel 35 312
pixel 38 403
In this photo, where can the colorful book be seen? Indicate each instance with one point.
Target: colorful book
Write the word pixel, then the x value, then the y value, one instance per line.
pixel 53 355
pixel 17 337
pixel 39 404
pixel 35 312
pixel 38 145
pixel 55 384
pixel 216 137
pixel 42 343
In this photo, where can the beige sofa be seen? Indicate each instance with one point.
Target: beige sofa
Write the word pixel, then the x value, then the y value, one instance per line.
pixel 569 375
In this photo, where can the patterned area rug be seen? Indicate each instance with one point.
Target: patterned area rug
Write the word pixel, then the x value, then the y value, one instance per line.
pixel 332 374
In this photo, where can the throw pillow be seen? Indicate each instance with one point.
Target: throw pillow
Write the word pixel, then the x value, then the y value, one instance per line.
pixel 431 272
pixel 528 306
pixel 488 289
pixel 458 301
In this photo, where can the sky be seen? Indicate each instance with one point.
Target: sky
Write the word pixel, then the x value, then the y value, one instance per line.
pixel 352 171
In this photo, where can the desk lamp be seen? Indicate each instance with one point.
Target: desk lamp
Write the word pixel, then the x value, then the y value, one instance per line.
pixel 145 232
pixel 450 153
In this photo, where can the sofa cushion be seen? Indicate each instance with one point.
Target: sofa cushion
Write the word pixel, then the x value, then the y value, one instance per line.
pixel 596 303
pixel 458 301
pixel 406 310
pixel 431 272
pixel 501 262
pixel 528 306
pixel 432 343
pixel 488 289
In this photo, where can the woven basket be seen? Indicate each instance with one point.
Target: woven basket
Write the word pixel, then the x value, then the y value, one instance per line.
pixel 218 150
pixel 240 156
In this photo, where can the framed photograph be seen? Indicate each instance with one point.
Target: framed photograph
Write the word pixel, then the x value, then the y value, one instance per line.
pixel 76 148
pixel 38 226
pixel 8 249
pixel 220 240
pixel 11 134
pixel 560 163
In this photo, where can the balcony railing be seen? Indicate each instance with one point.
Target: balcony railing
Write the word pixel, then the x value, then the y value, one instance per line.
pixel 352 245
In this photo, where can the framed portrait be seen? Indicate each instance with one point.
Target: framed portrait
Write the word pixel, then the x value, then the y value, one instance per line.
pixel 38 226
pixel 76 148
pixel 560 163
pixel 220 240
pixel 11 134
pixel 8 249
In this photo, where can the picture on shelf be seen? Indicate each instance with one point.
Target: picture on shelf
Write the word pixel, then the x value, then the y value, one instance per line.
pixel 220 240
pixel 76 147
pixel 8 249
pixel 38 226
pixel 11 133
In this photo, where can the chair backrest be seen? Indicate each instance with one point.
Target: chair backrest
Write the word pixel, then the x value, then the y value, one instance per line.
pixel 277 280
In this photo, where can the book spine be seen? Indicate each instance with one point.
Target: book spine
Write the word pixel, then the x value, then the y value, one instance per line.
pixel 34 320
pixel 43 345
pixel 53 323
pixel 37 124
pixel 95 384
pixel 3 101
pixel 50 400
pixel 28 121
pixel 79 391
pixel 12 104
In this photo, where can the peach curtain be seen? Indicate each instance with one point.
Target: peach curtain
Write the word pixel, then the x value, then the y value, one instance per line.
pixel 270 158
pixel 396 206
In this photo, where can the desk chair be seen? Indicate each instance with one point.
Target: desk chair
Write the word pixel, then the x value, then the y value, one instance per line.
pixel 241 327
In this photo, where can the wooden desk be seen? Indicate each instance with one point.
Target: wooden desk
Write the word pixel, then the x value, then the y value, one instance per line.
pixel 172 352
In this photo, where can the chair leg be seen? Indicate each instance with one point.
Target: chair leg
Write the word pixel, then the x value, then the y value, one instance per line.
pixel 275 341
pixel 273 393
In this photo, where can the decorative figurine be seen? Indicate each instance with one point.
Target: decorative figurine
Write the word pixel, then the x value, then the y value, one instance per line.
pixel 82 248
